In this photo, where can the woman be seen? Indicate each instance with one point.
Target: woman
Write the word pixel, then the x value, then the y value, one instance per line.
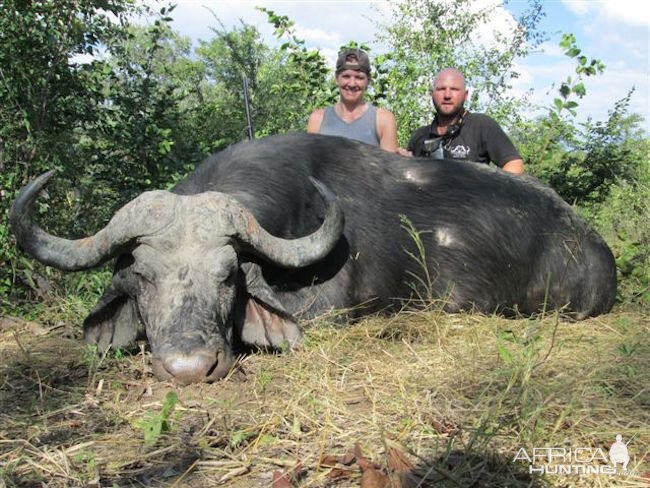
pixel 352 116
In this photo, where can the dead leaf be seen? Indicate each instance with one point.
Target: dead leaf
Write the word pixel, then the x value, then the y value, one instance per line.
pixel 328 460
pixel 373 478
pixel 280 480
pixel 364 463
pixel 287 480
pixel 340 474
pixel 443 427
pixel 398 461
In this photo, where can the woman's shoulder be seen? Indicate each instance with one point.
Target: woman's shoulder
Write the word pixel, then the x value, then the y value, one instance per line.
pixel 384 113
pixel 315 120
pixel 318 112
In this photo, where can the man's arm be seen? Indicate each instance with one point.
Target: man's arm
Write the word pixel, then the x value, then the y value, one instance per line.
pixel 515 166
pixel 414 144
pixel 404 152
pixel 315 120
pixel 500 148
pixel 386 130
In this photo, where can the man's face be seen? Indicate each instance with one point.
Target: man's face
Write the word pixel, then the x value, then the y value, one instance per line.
pixel 352 85
pixel 449 93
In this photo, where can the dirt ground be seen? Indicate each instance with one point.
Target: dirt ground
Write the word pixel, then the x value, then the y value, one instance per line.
pixel 420 399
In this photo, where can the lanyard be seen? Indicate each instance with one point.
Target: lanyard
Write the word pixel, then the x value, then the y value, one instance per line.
pixel 435 145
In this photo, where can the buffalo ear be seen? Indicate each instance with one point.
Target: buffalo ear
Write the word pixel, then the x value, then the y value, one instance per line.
pixel 266 323
pixel 114 321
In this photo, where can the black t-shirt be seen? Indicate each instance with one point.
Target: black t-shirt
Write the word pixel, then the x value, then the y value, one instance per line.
pixel 480 139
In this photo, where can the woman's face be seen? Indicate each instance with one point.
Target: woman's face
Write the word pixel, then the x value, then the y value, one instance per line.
pixel 352 85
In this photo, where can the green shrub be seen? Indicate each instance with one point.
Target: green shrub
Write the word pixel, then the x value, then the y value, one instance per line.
pixel 622 219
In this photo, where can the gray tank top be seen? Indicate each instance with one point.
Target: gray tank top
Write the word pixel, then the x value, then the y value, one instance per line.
pixel 363 129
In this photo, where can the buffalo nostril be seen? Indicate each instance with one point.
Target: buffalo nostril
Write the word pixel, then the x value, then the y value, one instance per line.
pixel 224 365
pixel 192 368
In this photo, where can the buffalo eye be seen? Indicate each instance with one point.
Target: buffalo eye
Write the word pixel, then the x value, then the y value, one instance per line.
pixel 144 273
pixel 223 264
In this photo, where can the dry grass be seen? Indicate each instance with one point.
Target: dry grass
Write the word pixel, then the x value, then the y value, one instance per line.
pixel 455 395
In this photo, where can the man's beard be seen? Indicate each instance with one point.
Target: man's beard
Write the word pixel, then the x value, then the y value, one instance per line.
pixel 452 115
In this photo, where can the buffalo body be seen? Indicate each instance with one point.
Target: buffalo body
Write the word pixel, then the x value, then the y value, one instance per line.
pixel 196 275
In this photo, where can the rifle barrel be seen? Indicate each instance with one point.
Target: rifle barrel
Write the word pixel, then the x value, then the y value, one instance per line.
pixel 249 127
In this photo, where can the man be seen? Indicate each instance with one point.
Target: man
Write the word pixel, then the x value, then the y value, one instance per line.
pixel 455 133
pixel 352 116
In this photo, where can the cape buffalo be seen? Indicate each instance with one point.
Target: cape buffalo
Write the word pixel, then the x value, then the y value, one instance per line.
pixel 244 246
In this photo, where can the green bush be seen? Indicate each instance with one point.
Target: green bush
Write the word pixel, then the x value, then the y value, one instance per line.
pixel 622 219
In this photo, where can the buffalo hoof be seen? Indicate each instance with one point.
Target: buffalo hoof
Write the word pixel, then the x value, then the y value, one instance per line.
pixel 197 367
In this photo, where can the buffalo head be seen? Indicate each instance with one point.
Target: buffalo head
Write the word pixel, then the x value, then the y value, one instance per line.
pixel 180 277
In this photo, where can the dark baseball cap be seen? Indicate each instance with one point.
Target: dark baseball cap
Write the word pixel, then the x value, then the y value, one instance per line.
pixel 361 63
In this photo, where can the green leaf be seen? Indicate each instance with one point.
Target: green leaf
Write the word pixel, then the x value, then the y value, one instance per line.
pixel 558 104
pixel 580 90
pixel 565 90
pixel 152 428
pixel 507 335
pixel 170 402
pixel 154 424
pixel 267 440
pixel 573 52
pixel 567 41
pixel 237 438
pixel 504 354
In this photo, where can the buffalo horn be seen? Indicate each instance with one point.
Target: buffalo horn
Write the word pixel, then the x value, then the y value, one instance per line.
pixel 135 219
pixel 293 253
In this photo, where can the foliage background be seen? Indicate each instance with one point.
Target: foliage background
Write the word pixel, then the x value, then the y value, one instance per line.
pixel 149 107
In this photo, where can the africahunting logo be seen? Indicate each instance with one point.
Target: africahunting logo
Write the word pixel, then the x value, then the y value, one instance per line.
pixel 578 460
